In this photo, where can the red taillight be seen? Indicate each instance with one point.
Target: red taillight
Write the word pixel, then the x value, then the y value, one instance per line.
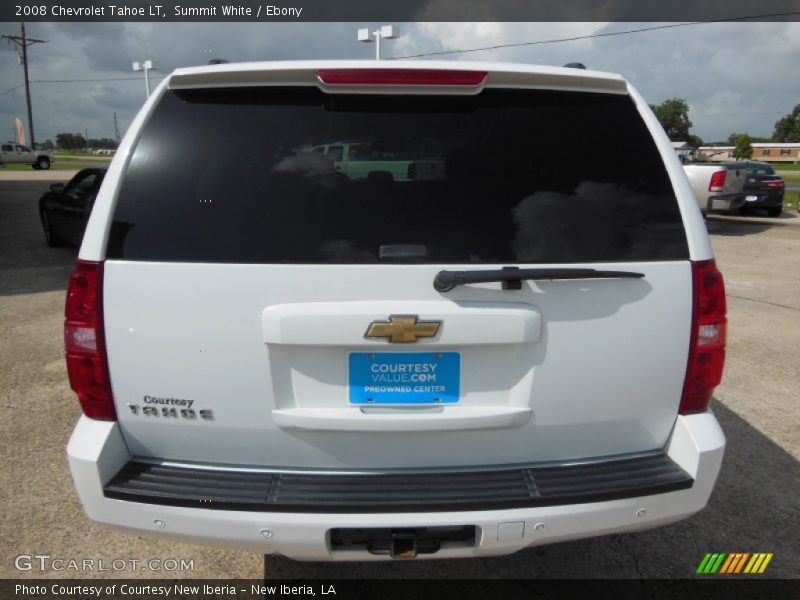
pixel 776 184
pixel 83 341
pixel 717 181
pixel 707 340
pixel 400 77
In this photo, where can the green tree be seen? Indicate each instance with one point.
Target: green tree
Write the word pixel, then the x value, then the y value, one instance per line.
pixel 734 137
pixel 695 141
pixel 65 141
pixel 673 114
pixel 102 143
pixel 70 141
pixel 787 129
pixel 744 147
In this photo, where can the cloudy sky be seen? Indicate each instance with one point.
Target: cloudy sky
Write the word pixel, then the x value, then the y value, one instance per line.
pixel 735 76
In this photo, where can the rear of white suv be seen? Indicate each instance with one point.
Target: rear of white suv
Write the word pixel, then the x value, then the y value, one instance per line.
pixel 517 349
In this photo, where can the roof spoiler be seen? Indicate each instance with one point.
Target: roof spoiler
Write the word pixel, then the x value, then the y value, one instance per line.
pixel 307 73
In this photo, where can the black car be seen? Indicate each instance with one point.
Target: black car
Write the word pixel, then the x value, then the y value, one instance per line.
pixel 65 209
pixel 763 188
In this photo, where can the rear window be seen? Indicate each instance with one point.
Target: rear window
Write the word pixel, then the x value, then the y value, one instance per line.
pixel 261 175
pixel 760 169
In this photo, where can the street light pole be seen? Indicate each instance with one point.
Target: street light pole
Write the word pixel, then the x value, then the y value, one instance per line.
pixel 145 66
pixel 389 32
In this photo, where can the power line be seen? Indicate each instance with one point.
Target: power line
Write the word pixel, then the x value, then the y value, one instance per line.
pixel 23 42
pixel 16 87
pixel 729 114
pixel 91 80
pixel 594 35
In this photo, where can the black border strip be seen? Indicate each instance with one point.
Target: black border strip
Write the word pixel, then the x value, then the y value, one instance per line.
pixel 741 588
pixel 407 11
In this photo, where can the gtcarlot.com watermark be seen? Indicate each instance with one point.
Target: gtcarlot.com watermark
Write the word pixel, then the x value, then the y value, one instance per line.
pixel 45 562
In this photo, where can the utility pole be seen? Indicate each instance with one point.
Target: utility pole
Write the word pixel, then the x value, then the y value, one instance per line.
pixel 116 128
pixel 24 42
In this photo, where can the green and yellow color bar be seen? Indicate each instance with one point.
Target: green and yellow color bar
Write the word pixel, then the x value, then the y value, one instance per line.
pixel 734 562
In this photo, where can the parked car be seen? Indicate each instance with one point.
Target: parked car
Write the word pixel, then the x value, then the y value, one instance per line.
pixel 65 209
pixel 18 154
pixel 272 356
pixel 717 187
pixel 763 188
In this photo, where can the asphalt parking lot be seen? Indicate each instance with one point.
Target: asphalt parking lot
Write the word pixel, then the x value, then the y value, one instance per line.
pixel 755 506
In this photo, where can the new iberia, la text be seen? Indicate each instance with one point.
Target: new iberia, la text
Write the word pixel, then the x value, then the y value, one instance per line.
pixel 177 590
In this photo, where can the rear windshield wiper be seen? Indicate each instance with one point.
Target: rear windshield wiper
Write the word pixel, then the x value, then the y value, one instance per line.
pixel 512 276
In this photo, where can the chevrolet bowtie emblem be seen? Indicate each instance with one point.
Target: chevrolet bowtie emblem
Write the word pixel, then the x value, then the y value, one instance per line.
pixel 403 329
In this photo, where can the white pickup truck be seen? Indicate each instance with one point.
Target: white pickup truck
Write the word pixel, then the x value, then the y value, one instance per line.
pixel 519 351
pixel 11 153
pixel 717 186
pixel 359 161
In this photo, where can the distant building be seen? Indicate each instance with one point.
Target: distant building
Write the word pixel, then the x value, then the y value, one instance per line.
pixel 787 152
pixel 683 150
pixel 776 152
pixel 715 153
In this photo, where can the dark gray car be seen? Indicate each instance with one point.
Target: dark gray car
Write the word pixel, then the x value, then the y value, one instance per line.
pixel 65 209
pixel 763 188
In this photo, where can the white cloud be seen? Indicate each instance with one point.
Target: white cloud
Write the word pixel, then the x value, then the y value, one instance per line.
pixel 735 76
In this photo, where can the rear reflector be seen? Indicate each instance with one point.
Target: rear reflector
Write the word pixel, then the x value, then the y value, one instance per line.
pixel 707 340
pixel 83 340
pixel 400 77
pixel 717 181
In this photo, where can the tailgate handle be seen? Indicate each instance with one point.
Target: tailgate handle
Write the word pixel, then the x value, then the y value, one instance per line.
pixel 512 277
pixel 352 418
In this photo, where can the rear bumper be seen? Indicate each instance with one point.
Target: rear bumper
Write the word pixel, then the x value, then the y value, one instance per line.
pixel 525 486
pixel 724 203
pixel 763 199
pixel 97 455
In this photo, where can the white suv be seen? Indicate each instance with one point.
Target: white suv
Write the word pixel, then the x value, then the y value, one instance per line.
pixel 517 351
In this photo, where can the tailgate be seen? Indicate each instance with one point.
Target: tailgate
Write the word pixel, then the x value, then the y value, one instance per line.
pixel 558 370
pixel 262 308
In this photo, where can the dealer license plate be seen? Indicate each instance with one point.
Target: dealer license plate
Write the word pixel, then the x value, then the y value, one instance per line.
pixel 404 377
